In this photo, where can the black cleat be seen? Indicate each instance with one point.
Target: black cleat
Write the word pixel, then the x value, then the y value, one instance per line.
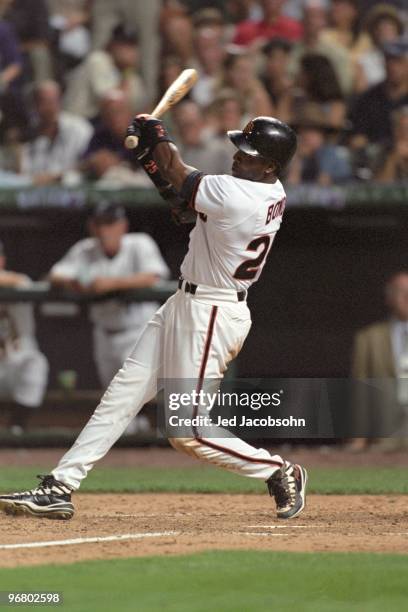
pixel 288 486
pixel 51 499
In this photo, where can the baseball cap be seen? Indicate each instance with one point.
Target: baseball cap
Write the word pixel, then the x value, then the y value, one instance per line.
pixel 106 212
pixel 123 34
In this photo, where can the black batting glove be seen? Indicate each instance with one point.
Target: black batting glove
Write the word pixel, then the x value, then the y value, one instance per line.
pixel 152 130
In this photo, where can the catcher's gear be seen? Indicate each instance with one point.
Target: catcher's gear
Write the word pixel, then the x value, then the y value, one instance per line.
pixel 149 130
pixel 266 137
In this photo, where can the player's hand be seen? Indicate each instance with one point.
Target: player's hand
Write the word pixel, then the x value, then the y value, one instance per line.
pixel 149 130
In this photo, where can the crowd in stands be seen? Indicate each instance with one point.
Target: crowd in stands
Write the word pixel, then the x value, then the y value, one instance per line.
pixel 73 72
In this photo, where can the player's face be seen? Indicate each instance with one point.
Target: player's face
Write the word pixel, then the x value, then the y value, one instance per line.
pixel 251 168
pixel 109 236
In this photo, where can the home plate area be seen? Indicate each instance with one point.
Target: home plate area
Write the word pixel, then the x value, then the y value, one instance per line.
pixel 126 525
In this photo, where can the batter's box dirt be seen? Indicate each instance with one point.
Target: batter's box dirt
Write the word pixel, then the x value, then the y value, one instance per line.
pixel 184 523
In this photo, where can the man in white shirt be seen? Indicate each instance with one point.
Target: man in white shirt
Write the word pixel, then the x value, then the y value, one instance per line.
pixel 60 138
pixel 112 260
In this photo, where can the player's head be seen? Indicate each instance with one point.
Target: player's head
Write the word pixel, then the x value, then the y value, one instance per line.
pixel 396 292
pixel 265 147
pixel 108 223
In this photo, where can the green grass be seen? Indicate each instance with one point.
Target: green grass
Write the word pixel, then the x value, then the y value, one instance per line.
pixel 203 479
pixel 232 581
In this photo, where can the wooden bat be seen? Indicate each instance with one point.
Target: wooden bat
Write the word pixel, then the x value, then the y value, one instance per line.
pixel 177 90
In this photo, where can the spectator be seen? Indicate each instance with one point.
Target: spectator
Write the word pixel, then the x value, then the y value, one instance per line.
pixel 384 25
pixel 33 32
pixel 345 29
pixel 273 24
pixel 320 91
pixel 102 71
pixel 275 77
pixel 239 74
pixel 142 17
pixel 177 33
pixel 209 55
pixel 395 165
pixel 224 114
pixel 23 368
pixel 318 159
pixel 112 260
pixel 59 140
pixel 198 147
pixel 106 159
pixel 371 114
pixel 314 22
pixel 69 20
pixel 11 103
pixel 381 352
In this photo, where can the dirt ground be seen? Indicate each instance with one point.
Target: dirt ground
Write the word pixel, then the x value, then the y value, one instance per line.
pixel 185 523
pixel 200 522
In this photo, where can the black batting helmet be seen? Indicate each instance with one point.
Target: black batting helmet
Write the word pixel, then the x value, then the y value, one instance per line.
pixel 266 137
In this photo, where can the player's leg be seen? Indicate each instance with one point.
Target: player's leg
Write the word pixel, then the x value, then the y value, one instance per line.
pixel 131 388
pixel 212 337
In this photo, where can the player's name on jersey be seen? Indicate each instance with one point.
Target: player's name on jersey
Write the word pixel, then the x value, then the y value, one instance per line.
pixel 235 421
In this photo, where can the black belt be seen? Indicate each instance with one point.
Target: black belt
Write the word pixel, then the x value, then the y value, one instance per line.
pixel 192 288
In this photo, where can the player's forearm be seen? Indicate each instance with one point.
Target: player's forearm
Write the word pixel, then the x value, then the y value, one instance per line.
pixel 170 164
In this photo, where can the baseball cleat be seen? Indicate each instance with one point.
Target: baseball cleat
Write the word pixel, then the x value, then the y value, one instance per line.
pixel 288 486
pixel 51 499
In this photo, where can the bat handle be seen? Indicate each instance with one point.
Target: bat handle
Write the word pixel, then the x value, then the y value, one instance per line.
pixel 131 142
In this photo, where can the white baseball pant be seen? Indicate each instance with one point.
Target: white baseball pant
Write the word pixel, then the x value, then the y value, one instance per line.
pixel 189 337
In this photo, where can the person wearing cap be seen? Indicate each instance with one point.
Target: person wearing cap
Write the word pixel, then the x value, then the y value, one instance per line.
pixel 112 260
pixel 115 67
pixel 23 368
pixel 372 112
pixel 384 25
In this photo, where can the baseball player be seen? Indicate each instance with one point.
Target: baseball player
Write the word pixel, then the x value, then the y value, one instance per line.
pixel 23 368
pixel 109 260
pixel 203 326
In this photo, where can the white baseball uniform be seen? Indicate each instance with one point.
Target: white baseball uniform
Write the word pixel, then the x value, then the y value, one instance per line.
pixel 117 325
pixel 193 336
pixel 23 368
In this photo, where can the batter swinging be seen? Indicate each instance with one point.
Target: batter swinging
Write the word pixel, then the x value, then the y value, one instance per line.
pixel 197 332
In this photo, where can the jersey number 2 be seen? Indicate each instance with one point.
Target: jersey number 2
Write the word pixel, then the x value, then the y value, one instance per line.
pixel 249 268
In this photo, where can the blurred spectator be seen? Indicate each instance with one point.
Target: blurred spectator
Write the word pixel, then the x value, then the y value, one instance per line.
pixel 319 91
pixel 275 78
pixel 209 55
pixel 143 17
pixel 225 113
pixel 314 22
pixel 71 37
pixel 23 368
pixel 176 30
pixel 106 159
pixel 371 114
pixel 274 23
pixel 395 165
pixel 112 260
pixel 318 158
pixel 239 74
pixel 32 28
pixel 105 70
pixel 381 352
pixel 12 110
pixel 345 28
pixel 59 140
pixel 198 147
pixel 384 25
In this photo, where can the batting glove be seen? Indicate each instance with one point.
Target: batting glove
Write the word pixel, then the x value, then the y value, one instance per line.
pixel 151 130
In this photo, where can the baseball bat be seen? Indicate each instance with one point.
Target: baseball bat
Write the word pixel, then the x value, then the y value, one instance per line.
pixel 177 90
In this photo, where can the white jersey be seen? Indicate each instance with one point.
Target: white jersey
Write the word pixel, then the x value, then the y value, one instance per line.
pixel 86 261
pixel 234 231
